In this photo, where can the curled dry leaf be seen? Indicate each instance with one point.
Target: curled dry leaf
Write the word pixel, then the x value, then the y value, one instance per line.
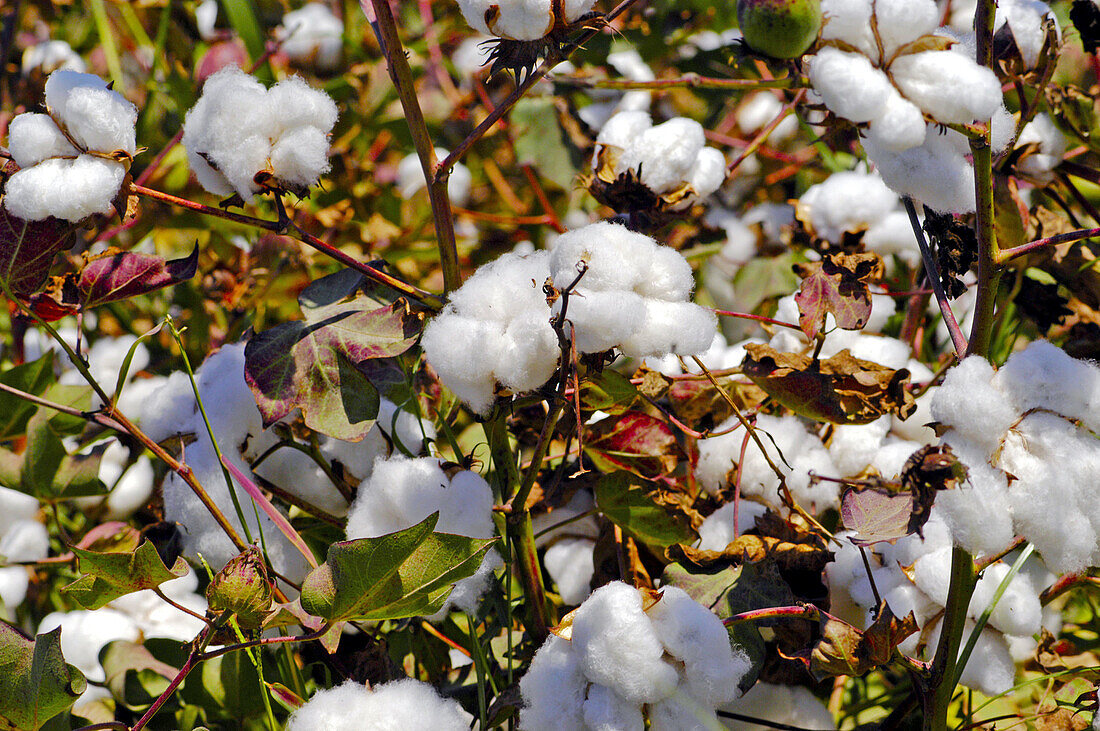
pixel 842 389
pixel 838 284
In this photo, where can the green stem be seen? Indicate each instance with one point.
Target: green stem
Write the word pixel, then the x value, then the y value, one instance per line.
pixel 944 665
pixel 425 149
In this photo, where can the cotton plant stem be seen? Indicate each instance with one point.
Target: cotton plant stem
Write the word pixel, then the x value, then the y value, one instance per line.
pixel 1006 255
pixel 957 337
pixel 945 670
pixel 689 80
pixel 425 149
pixel 762 135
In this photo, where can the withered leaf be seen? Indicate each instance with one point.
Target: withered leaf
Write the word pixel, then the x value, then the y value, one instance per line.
pixel 837 284
pixel 844 650
pixel 634 441
pixel 842 389
pixel 773 540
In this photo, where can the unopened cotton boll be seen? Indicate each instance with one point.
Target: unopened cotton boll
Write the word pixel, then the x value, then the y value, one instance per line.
pixel 520 20
pixel 312 34
pixel 238 129
pixel 410 178
pixel 401 704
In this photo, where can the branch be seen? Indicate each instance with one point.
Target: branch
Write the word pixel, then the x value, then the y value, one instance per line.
pixel 1005 255
pixel 957 337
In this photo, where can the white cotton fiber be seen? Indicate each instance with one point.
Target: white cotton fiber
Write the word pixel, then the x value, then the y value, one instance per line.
pixel 49 56
pixel 83 634
pixel 1025 19
pixel 410 705
pixel 571 565
pixel 719 530
pixel 969 402
pixel 900 126
pixel 624 128
pixel 1018 612
pixel 849 21
pixel 793 705
pixel 619 647
pixel 68 189
pixel 854 446
pixel 990 669
pixel 238 129
pixel 849 85
pixel 521 21
pixel 948 86
pixel 694 635
pixel 553 688
pixel 935 173
pixel 96 117
pixel 893 235
pixel 605 710
pixel 312 35
pixel 1051 144
pixel 683 328
pixel 903 21
pixel 850 201
pixel 34 138
pixel 1044 376
pixel 410 178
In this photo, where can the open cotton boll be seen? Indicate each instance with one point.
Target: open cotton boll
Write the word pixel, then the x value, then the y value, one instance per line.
pixel 900 126
pixel 1025 18
pixel 312 35
pixel 853 446
pixel 130 489
pixel 848 84
pixel 553 688
pixel 936 173
pixel 67 189
pixel 96 117
pixel 847 202
pixel 1018 612
pixel 902 21
pixel 34 138
pixel 605 710
pixel 950 87
pixel 617 258
pixel 694 635
pixel 793 705
pixel 521 20
pixel 1042 132
pixel 969 402
pixel 624 128
pixel 665 154
pixel 49 56
pixel 618 646
pixel 157 618
pixel 709 171
pixel 683 328
pixel 719 530
pixel 1045 376
pixel 759 110
pixel 406 704
pixel 410 178
pixel 571 564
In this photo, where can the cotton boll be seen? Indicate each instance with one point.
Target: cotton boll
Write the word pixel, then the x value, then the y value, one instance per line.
pixel 1051 142
pixel 1025 18
pixel 936 173
pixel 694 635
pixel 969 402
pixel 708 173
pixel 312 34
pixel 522 21
pixel 668 277
pixel 948 86
pixel 683 328
pixel 665 154
pixel 99 119
pixel 604 710
pixel 404 704
pixel 979 514
pixel 719 530
pixel 298 474
pixel 553 688
pixel 914 428
pixel 130 489
pixel 570 564
pixel 793 705
pixel 681 712
pixel 15 506
pixel 990 669
pixel 1018 612
pixel 461 350
pixel 852 447
pixel 300 156
pixel 848 84
pixel 900 126
pixel 759 110
pixel 617 258
pixel 25 540
pixel 893 235
pixel 624 128
pixel 49 56
pixel 903 21
pixel 33 138
pixel 603 319
pixel 618 646
pixel 892 455
pixel 847 202
pixel 1044 376
pixel 67 189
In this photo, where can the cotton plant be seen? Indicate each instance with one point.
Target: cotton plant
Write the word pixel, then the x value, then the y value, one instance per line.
pixel 522 21
pixel 632 296
pixel 74 157
pixel 313 36
pixel 670 159
pixel 49 56
pixel 629 657
pixel 569 540
pixel 912 576
pixel 402 492
pixel 407 704
pixel 606 103
pixel 243 138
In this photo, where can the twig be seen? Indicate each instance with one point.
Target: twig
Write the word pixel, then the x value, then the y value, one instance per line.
pixel 690 80
pixel 957 337
pixel 1005 255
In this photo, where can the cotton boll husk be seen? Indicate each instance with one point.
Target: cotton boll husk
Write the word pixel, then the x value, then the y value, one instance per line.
pixel 33 138
pixel 948 86
pixel 553 688
pixel 935 173
pixel 847 202
pixel 665 154
pixel 849 85
pixel 683 328
pixel 853 446
pixel 1044 376
pixel 410 705
pixel 1018 612
pixel 718 529
pixel 100 119
pixel 694 635
pixel 312 34
pixel 902 21
pixel 618 645
pixel 603 319
pixel 70 190
pixel 709 171
pixel 849 21
pixel 605 710
pixel 900 126
pixel 571 565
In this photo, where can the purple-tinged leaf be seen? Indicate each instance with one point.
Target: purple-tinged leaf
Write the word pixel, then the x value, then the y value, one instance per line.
pixel 278 518
pixel 876 515
pixel 123 275
pixel 837 285
pixel 28 248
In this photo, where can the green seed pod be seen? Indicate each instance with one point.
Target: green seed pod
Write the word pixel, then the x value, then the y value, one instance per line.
pixel 779 28
pixel 242 588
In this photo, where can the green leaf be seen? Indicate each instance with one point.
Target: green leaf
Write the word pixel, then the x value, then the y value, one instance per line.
pixel 134 676
pixel 46 470
pixel 540 143
pixel 36 683
pixel 404 574
pixel 629 502
pixel 321 365
pixel 608 391
pixel 110 574
pixel 32 378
